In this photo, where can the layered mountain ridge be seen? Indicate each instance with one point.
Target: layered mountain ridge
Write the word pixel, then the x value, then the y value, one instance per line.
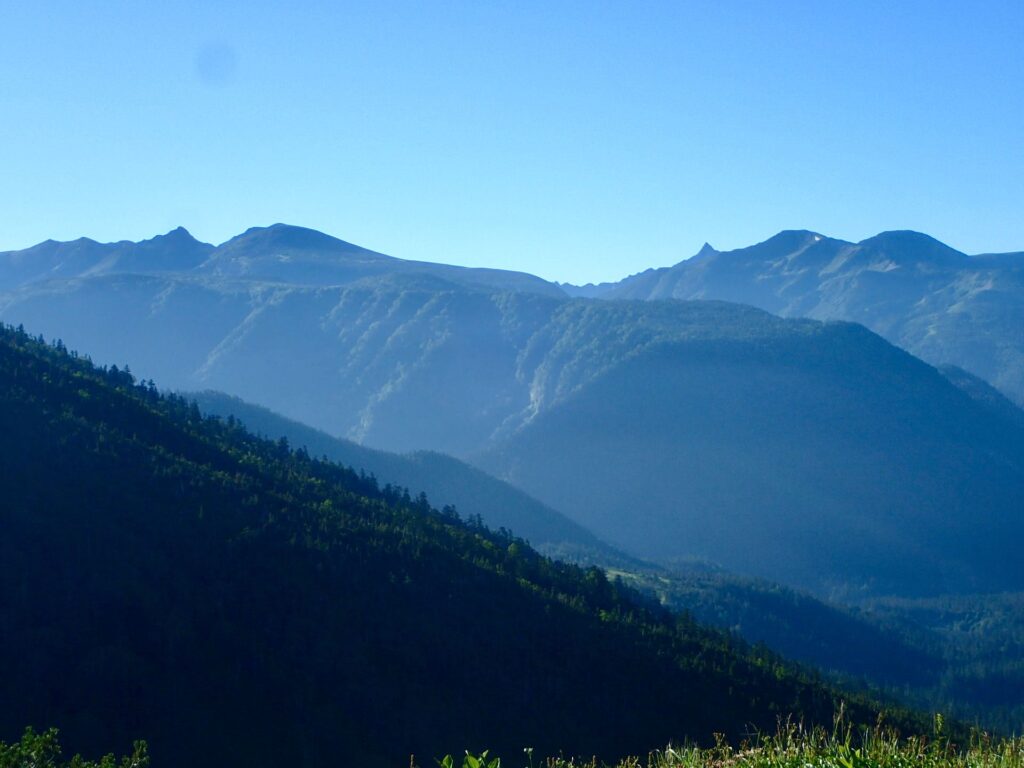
pixel 445 480
pixel 81 258
pixel 938 303
pixel 810 452
pixel 239 603
pixel 280 253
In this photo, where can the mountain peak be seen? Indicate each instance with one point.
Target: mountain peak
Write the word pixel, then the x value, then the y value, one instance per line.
pixel 288 237
pixel 912 245
pixel 785 242
pixel 177 236
pixel 796 236
pixel 902 236
pixel 180 231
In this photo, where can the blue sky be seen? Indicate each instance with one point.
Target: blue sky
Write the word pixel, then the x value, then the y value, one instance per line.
pixel 578 141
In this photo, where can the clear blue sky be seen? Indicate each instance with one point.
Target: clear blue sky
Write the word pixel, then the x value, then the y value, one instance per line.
pixel 580 141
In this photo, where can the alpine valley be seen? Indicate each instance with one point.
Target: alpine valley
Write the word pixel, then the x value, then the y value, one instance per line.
pixel 238 603
pixel 809 452
pixel 815 445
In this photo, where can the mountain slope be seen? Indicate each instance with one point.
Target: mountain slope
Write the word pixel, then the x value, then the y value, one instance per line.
pixel 444 479
pixel 174 252
pixel 287 254
pixel 984 393
pixel 942 305
pixel 400 363
pixel 738 436
pixel 821 457
pixel 888 647
pixel 836 639
pixel 169 576
pixel 279 254
pixel 776 433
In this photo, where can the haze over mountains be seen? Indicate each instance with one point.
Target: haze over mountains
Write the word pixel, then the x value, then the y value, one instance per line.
pixel 807 452
pixel 964 660
pixel 445 480
pixel 936 302
pixel 241 604
pixel 279 253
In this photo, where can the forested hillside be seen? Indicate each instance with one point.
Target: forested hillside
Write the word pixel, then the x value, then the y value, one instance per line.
pixel 959 654
pixel 815 454
pixel 446 481
pixel 234 602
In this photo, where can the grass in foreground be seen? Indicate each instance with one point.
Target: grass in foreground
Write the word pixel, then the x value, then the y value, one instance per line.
pixel 794 747
pixel 790 747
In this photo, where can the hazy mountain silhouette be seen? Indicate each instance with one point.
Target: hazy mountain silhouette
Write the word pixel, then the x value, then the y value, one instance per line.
pixel 296 255
pixel 815 454
pixel 174 252
pixel 942 305
pixel 445 480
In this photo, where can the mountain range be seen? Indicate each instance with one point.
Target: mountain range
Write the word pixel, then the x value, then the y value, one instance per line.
pixel 942 305
pixel 235 602
pixel 960 655
pixel 446 481
pixel 813 453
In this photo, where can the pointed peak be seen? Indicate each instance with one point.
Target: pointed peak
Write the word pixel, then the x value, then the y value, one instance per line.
pixel 705 251
pixel 177 234
pixel 178 241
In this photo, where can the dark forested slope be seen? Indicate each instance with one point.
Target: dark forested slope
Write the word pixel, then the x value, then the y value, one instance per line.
pixel 445 480
pixel 169 576
pixel 965 662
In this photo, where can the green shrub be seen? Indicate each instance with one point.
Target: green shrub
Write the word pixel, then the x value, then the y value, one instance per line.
pixel 42 750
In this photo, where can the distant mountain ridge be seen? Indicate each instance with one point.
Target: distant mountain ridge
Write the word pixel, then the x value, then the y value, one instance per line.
pixel 811 453
pixel 806 457
pixel 280 253
pixel 52 260
pixel 948 308
pixel 934 301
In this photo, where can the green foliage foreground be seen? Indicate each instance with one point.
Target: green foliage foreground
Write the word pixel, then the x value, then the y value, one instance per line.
pixel 43 750
pixel 791 747
pixel 794 747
